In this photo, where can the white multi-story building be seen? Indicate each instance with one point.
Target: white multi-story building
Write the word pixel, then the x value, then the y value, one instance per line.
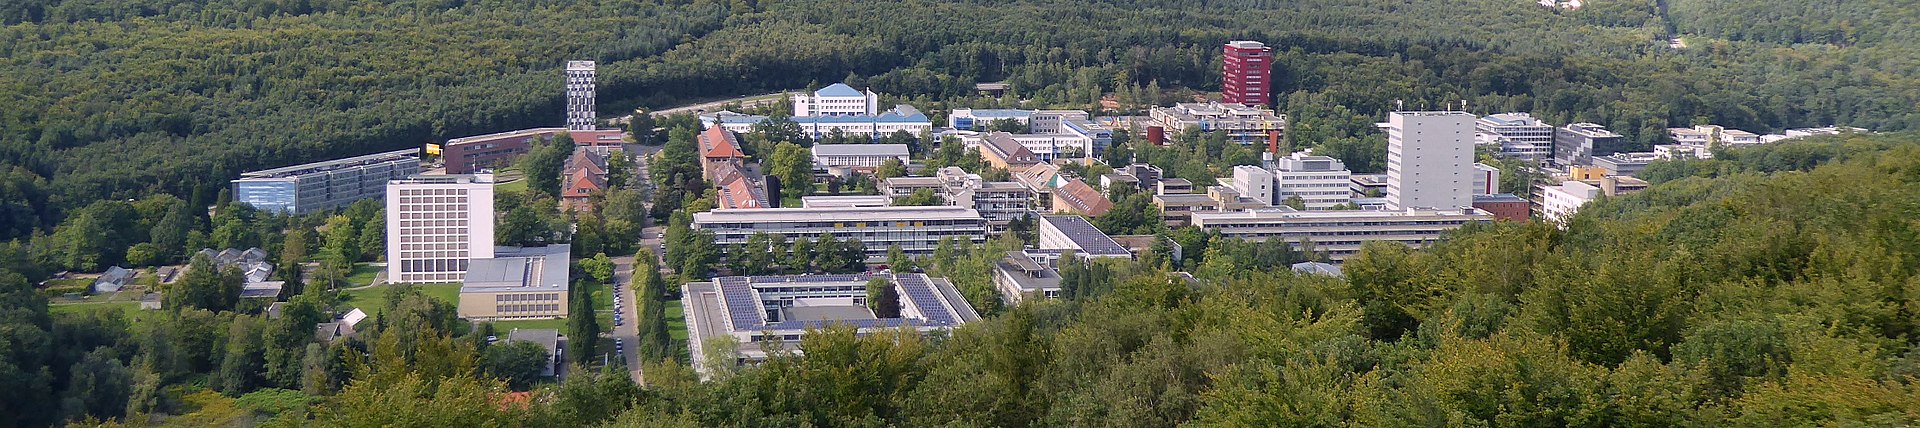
pixel 917 230
pixel 763 314
pixel 1321 182
pixel 1486 179
pixel 837 100
pixel 436 224
pixel 857 155
pixel 580 95
pixel 1242 123
pixel 1559 203
pixel 1428 153
pixel 1254 183
pixel 1340 233
pixel 901 118
pixel 1000 202
pixel 1518 135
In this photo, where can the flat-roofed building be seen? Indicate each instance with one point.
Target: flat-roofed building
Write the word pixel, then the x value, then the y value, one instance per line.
pixel 1000 202
pixel 857 155
pixel 1340 234
pixel 763 313
pixel 917 230
pixel 1019 277
pixel 1559 203
pixel 1625 164
pixel 1321 182
pixel 1577 143
pixel 1173 186
pixel 436 224
pixel 1504 206
pixel 467 155
pixel 320 186
pixel 1242 123
pixel 1486 179
pixel 547 338
pixel 900 118
pixel 847 201
pixel 1074 233
pixel 1428 153
pixel 517 283
pixel 1518 135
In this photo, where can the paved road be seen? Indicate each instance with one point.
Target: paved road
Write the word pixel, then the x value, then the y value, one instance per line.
pixel 745 102
pixel 628 331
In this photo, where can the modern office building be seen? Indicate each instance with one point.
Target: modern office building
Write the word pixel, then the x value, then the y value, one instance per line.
pixel 1428 153
pixel 1321 182
pixel 1559 203
pixel 320 186
pixel 865 156
pixel 1253 182
pixel 1340 234
pixel 1247 75
pixel 1074 233
pixel 517 283
pixel 436 224
pixel 1486 179
pixel 837 100
pixel 467 155
pixel 1577 143
pixel 580 95
pixel 901 118
pixel 1625 163
pixel 1000 202
pixel 763 314
pixel 917 230
pixel 1045 147
pixel 1242 123
pixel 1518 135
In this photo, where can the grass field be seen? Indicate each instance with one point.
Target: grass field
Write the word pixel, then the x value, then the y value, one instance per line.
pixel 363 274
pixel 510 179
pixel 131 308
pixel 676 322
pixel 373 298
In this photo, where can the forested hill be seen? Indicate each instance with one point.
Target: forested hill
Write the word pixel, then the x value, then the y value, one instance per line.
pixel 118 99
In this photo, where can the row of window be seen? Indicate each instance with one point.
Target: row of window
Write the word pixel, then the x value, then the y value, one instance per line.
pixel 433 215
pixel 433 200
pixel 432 265
pixel 526 308
pixel 527 297
pixel 431 277
pixel 433 192
pixel 433 207
pixel 440 246
pixel 434 223
pixel 434 253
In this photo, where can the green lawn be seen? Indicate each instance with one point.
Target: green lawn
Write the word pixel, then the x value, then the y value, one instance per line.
pixel 502 327
pixel 130 307
pixel 363 274
pixel 510 179
pixel 371 299
pixel 676 322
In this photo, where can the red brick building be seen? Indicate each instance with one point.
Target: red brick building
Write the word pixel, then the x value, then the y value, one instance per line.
pixel 467 155
pixel 1248 74
pixel 1504 206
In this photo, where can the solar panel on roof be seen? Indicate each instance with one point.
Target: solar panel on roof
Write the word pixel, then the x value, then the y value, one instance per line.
pixel 920 293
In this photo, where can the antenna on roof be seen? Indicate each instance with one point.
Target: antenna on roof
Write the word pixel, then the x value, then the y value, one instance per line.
pixel 1463 105
pixel 1399 105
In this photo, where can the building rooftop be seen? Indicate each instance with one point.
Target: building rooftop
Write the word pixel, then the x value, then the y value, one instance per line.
pixel 860 214
pixel 995 113
pixel 1497 198
pixel 1090 239
pixel 860 150
pixel 1318 268
pixel 716 142
pixel 445 179
pixel 329 165
pixel 515 269
pixel 545 337
pixel 840 90
pixel 529 132
pixel 1512 119
pixel 1083 198
pixel 848 201
pixel 1289 213
pixel 1246 44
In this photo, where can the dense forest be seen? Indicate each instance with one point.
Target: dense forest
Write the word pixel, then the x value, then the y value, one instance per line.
pixel 122 99
pixel 1769 286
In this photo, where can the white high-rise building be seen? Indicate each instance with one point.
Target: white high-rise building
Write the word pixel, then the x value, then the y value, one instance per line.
pixel 1428 158
pixel 1321 182
pixel 1518 135
pixel 436 224
pixel 580 94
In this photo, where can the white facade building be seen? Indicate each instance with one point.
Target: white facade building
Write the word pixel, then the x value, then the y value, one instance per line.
pixel 1340 233
pixel 1242 123
pixel 580 95
pixel 1428 153
pixel 1486 179
pixel 1559 203
pixel 837 100
pixel 1321 182
pixel 1254 183
pixel 436 224
pixel 857 155
pixel 1518 135
pixel 917 230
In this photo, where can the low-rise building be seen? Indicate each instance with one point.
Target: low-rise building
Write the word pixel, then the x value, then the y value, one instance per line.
pixel 846 201
pixel 1486 179
pixel 1174 186
pixel 1000 202
pixel 761 314
pixel 900 118
pixel 467 155
pixel 1559 203
pixel 1001 150
pixel 917 230
pixel 1320 182
pixel 547 338
pixel 719 147
pixel 1079 198
pixel 1340 234
pixel 1242 123
pixel 1318 268
pixel 1368 185
pixel 1504 206
pixel 858 156
pixel 320 186
pixel 1019 277
pixel 1624 164
pixel 517 283
pixel 1074 233
pixel 112 280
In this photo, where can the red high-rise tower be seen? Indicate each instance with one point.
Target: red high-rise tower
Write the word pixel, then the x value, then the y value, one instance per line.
pixel 1249 69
